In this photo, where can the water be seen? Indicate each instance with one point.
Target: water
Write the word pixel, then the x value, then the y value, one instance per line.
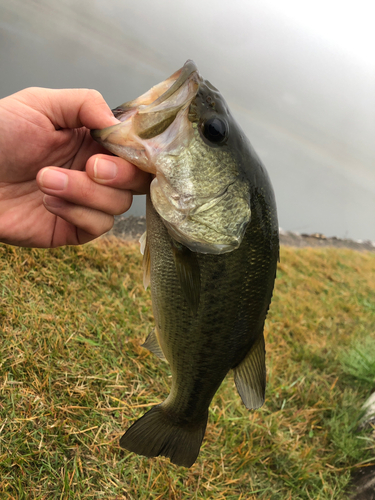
pixel 308 110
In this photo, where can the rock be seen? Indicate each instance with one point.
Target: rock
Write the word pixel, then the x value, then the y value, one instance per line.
pixel 128 227
pixel 369 417
pixel 363 484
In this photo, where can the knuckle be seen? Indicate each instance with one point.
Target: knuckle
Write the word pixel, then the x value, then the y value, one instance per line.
pixel 94 95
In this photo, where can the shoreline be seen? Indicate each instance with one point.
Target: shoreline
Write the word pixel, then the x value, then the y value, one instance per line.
pixel 131 228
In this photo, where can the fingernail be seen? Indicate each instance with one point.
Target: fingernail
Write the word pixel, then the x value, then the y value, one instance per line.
pixel 53 202
pixel 104 169
pixel 53 179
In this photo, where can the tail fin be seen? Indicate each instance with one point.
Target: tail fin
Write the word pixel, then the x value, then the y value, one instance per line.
pixel 156 433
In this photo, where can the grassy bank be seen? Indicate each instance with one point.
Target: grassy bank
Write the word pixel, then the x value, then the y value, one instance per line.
pixel 73 377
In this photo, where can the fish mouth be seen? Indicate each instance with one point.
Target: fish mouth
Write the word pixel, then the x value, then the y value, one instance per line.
pixel 148 116
pixel 160 133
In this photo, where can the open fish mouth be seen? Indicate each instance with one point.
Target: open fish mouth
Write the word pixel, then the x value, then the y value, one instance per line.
pixel 181 132
pixel 149 116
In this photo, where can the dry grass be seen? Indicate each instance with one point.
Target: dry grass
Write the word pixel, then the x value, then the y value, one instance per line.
pixel 73 377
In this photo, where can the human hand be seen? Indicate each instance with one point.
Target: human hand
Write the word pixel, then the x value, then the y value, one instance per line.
pixel 73 200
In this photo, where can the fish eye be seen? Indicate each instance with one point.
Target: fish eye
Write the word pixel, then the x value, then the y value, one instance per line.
pixel 215 130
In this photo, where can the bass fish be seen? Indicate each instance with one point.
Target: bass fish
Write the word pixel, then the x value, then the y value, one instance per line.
pixel 210 254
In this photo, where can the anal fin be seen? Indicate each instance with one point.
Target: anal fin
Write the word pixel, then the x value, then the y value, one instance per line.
pixel 250 376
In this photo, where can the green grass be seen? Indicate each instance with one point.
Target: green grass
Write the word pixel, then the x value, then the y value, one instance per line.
pixel 359 362
pixel 73 377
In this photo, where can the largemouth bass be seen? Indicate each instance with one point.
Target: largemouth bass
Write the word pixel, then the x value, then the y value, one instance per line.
pixel 210 254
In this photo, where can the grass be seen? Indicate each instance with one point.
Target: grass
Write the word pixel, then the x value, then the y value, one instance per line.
pixel 359 362
pixel 73 377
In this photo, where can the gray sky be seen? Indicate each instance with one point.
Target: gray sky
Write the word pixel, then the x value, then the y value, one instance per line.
pixel 299 77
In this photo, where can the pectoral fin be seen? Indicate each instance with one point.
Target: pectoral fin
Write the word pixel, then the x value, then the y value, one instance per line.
pixel 250 376
pixel 152 344
pixel 188 273
pixel 146 263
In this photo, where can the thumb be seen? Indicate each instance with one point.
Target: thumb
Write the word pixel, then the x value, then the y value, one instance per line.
pixel 70 108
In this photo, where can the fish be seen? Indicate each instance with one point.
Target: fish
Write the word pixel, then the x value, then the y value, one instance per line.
pixel 210 254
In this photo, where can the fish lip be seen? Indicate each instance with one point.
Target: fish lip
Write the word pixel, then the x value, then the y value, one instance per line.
pixel 183 74
pixel 171 86
pixel 150 109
